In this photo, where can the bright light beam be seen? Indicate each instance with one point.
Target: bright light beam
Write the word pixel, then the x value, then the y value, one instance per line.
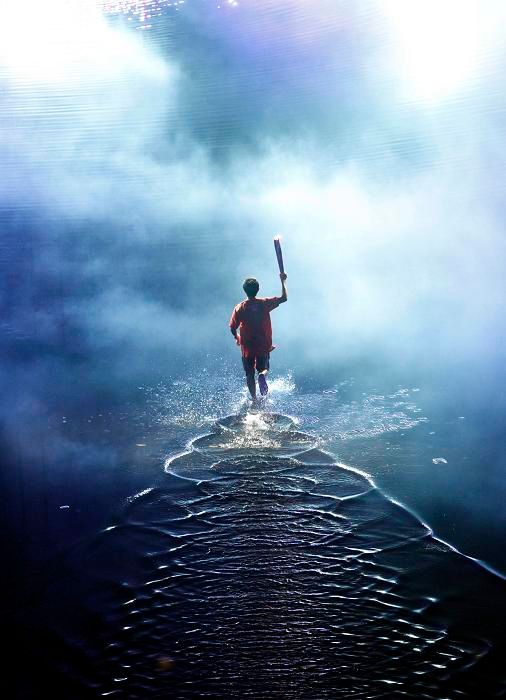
pixel 436 44
pixel 63 41
pixel 42 40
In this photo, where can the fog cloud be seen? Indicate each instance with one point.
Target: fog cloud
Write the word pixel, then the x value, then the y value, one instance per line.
pixel 145 175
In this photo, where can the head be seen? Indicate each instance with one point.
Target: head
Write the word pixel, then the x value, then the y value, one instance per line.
pixel 251 287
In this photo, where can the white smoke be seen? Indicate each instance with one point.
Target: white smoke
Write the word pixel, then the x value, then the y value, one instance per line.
pixel 392 243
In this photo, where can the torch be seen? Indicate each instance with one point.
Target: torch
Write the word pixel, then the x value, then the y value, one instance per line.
pixel 279 254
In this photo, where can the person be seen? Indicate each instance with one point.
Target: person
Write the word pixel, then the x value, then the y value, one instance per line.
pixel 252 318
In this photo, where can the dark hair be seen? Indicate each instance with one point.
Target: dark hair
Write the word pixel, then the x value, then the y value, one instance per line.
pixel 251 286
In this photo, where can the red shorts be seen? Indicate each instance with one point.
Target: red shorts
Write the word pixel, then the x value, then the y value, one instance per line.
pixel 258 362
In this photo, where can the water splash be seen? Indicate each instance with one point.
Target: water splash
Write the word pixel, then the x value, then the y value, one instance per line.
pixel 200 398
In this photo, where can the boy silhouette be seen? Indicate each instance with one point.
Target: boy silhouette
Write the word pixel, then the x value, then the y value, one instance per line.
pixel 252 318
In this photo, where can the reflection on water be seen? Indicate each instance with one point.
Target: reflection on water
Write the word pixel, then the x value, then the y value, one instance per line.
pixel 259 567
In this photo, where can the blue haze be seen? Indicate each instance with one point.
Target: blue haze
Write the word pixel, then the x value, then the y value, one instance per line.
pixel 144 174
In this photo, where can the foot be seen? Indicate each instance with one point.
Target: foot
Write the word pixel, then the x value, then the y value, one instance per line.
pixel 262 383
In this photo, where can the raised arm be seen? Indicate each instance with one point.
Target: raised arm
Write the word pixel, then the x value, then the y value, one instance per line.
pixel 284 293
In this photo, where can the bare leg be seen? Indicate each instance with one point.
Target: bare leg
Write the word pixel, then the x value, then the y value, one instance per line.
pixel 252 386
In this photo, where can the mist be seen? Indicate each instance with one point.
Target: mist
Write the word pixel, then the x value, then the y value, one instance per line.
pixel 145 173
pixel 150 151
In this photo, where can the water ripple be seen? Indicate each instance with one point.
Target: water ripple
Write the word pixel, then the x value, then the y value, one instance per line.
pixel 261 568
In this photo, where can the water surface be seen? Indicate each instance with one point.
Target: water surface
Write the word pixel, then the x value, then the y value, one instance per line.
pixel 256 564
